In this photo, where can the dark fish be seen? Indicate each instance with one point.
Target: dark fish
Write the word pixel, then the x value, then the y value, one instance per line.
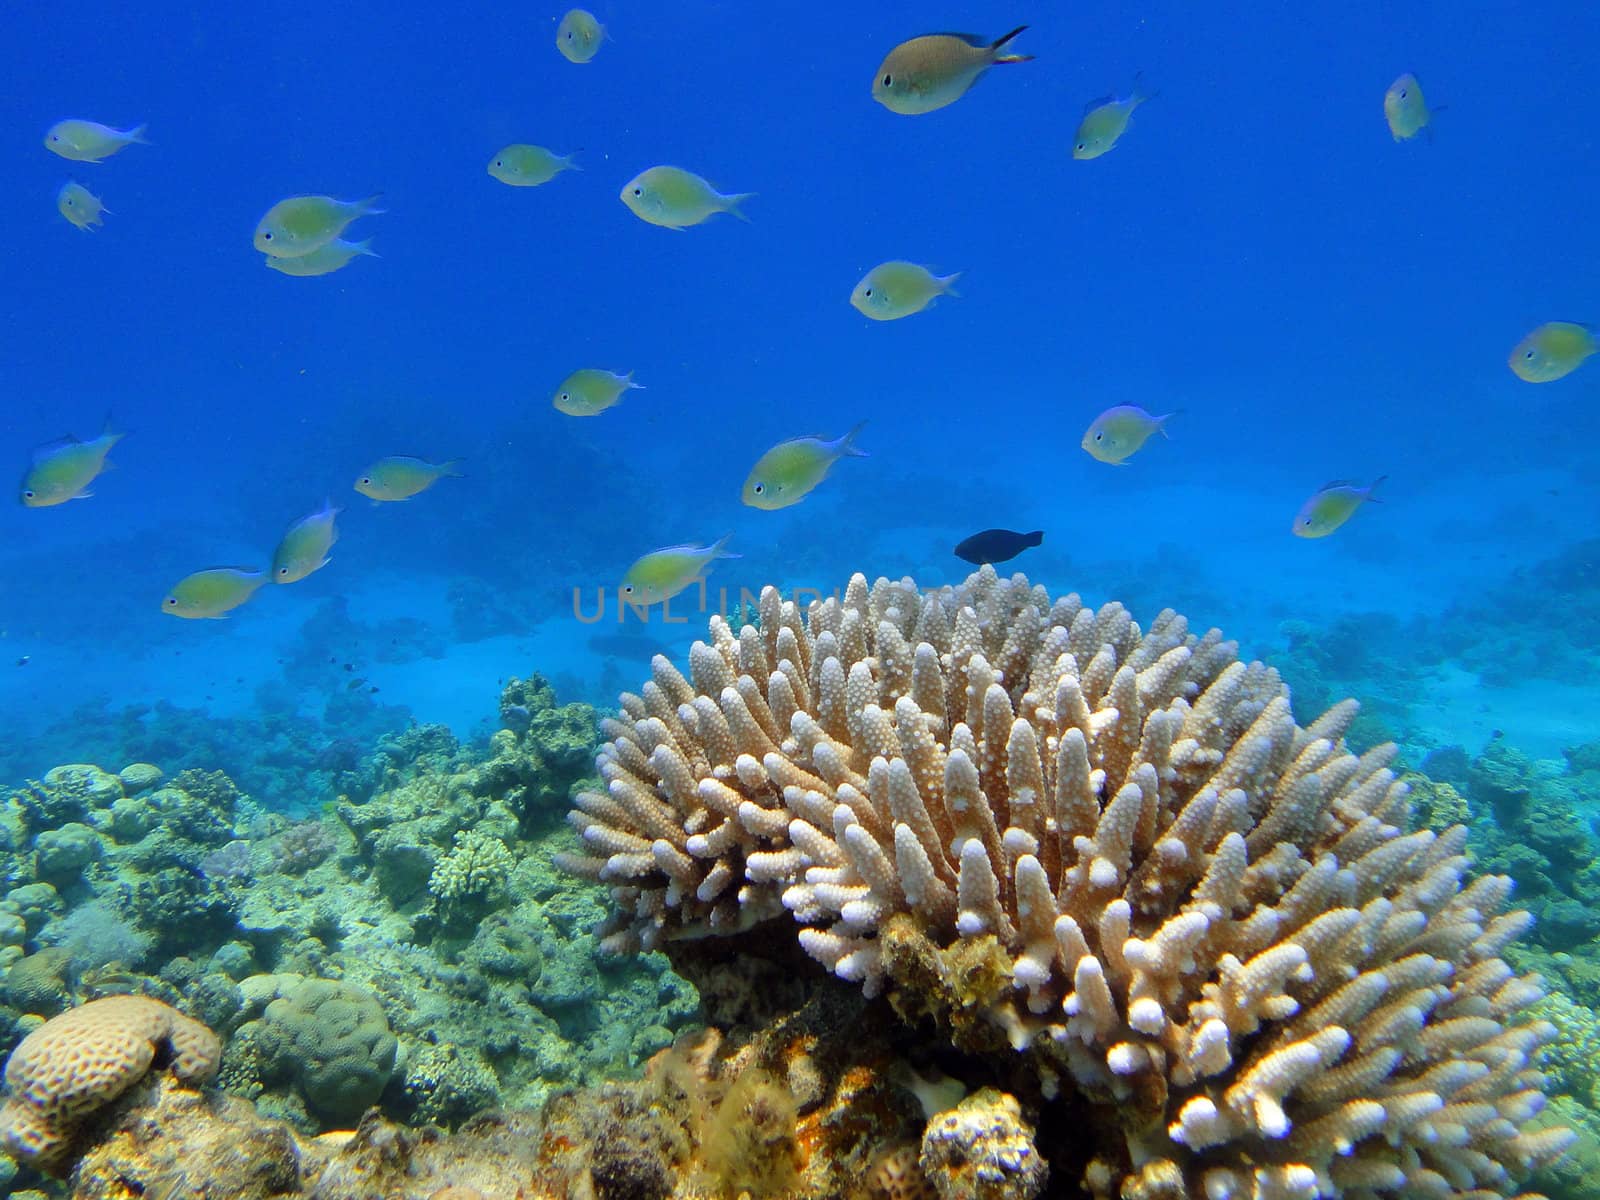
pixel 24 660
pixel 997 545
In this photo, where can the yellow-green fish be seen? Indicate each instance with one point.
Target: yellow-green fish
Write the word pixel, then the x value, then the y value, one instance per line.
pixel 788 472
pixel 324 260
pixel 522 165
pixel 1405 109
pixel 662 574
pixel 675 198
pixel 1116 434
pixel 80 206
pixel 590 390
pixel 212 594
pixel 62 470
pixel 1555 349
pixel 400 477
pixel 1104 121
pixel 90 141
pixel 305 546
pixel 1332 505
pixel 297 226
pixel 579 35
pixel 936 69
pixel 893 290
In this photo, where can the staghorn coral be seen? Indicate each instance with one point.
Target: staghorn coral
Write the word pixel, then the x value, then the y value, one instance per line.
pixel 1109 849
pixel 76 1063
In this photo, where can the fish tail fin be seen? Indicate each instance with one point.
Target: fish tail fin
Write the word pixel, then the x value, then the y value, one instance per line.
pixel 947 283
pixel 451 468
pixel 719 548
pixel 631 385
pixel 569 161
pixel 1140 93
pixel 1035 538
pixel 364 246
pixel 371 205
pixel 110 433
pixel 137 134
pixel 995 45
pixel 1371 499
pixel 1161 421
pixel 847 444
pixel 730 204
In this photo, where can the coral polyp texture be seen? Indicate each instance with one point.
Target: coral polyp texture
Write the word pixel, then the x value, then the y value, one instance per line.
pixel 1108 853
pixel 82 1060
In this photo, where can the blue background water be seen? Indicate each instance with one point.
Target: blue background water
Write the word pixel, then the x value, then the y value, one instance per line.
pixel 1319 300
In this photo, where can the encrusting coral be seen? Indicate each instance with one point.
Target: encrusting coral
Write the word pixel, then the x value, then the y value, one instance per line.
pixel 84 1059
pixel 1112 850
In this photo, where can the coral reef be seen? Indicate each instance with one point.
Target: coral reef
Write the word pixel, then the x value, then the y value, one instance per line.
pixel 800 1107
pixel 1107 853
pixel 314 945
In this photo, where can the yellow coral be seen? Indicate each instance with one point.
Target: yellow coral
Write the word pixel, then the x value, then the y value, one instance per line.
pixel 477 866
pixel 85 1058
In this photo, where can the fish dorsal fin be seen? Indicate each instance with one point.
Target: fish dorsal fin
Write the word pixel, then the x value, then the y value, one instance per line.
pixel 43 452
pixel 972 39
pixel 1337 483
pixel 1101 102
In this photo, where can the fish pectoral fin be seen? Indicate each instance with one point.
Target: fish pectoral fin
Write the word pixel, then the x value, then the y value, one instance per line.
pixel 86 494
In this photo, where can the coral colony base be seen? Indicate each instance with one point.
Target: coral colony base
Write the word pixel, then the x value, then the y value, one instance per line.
pixel 1098 920
pixel 1110 851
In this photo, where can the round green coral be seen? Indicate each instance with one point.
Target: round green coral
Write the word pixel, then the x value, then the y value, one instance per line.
pixel 333 1040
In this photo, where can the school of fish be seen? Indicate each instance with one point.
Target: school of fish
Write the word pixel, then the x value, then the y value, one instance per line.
pixel 304 236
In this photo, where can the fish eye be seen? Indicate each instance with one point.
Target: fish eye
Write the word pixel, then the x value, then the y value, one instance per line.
pixel 888 80
pixel 868 292
pixel 638 191
pixel 283 570
pixel 1402 93
pixel 628 587
pixel 1529 354
pixel 366 479
pixel 28 495
pixel 172 600
pixel 1099 437
pixel 267 236
pixel 565 396
pixel 1083 145
pixel 759 488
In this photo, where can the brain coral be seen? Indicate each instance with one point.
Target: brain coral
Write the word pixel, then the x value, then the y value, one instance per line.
pixel 1109 850
pixel 87 1057
pixel 334 1039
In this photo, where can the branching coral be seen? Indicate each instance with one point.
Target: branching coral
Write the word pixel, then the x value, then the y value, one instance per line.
pixel 1110 849
pixel 477 866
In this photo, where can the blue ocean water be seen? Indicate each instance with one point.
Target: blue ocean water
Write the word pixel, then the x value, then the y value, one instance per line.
pixel 1320 301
